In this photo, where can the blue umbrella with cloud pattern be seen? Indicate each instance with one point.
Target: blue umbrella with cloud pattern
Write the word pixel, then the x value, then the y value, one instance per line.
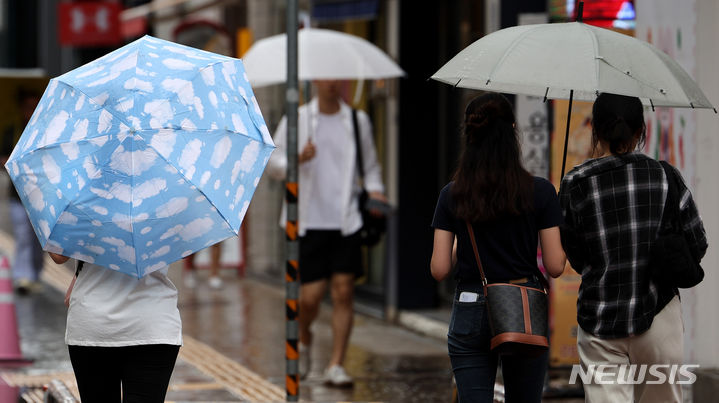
pixel 142 157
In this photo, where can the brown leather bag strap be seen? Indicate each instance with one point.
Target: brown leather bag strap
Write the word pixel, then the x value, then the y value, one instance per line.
pixel 541 277
pixel 476 253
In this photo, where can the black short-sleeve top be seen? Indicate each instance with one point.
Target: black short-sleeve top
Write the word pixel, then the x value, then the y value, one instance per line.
pixel 507 245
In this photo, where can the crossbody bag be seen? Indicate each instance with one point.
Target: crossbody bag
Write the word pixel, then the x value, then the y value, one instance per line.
pixel 518 314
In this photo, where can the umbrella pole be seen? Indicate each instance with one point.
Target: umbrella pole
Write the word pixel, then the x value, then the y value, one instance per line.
pixel 580 11
pixel 292 378
pixel 566 135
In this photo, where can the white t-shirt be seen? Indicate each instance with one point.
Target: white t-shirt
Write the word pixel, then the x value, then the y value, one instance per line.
pixel 112 309
pixel 325 210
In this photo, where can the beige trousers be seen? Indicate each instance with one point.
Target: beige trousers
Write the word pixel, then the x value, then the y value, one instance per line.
pixel 663 343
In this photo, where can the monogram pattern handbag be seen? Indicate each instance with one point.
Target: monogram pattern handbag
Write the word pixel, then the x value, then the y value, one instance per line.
pixel 518 314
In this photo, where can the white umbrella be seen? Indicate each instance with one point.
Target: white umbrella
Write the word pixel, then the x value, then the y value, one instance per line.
pixel 323 54
pixel 553 59
pixel 572 61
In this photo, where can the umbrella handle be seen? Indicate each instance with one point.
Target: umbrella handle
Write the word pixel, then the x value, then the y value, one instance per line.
pixel 566 135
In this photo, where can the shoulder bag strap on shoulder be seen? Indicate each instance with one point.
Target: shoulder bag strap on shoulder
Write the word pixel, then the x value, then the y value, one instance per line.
pixel 358 145
pixel 671 206
pixel 476 252
pixel 540 276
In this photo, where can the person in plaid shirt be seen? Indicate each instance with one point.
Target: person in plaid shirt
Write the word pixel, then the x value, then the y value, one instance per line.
pixel 613 207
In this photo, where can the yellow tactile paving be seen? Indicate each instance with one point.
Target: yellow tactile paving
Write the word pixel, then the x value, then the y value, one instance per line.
pixel 36 382
pixel 196 386
pixel 232 376
pixel 33 396
pixel 18 379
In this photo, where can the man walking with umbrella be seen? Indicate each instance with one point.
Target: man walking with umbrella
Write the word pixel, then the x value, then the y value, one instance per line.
pixel 329 217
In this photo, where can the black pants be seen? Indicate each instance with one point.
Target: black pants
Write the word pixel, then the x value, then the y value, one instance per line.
pixel 143 372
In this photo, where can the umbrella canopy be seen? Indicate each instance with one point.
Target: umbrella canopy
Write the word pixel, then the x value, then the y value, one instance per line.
pixel 142 157
pixel 553 60
pixel 323 54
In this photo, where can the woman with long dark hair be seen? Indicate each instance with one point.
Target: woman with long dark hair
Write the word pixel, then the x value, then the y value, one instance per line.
pixel 613 206
pixel 510 212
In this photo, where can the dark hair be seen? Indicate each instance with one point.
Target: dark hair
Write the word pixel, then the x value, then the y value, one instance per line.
pixel 490 181
pixel 618 120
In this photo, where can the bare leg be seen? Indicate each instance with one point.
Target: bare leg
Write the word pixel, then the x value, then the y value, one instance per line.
pixel 215 253
pixel 342 290
pixel 311 295
pixel 188 275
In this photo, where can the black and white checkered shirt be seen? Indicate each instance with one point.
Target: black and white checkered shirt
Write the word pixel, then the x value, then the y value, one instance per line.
pixel 612 210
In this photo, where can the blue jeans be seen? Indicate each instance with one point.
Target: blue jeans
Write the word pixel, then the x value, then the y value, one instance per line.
pixel 475 366
pixel 28 260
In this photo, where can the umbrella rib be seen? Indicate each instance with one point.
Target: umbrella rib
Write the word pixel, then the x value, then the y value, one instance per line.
pixel 193 184
pixel 90 100
pixel 199 71
pixel 662 91
pixel 70 202
pixel 627 73
pixel 103 107
pixel 506 53
pixel 597 60
pixel 659 90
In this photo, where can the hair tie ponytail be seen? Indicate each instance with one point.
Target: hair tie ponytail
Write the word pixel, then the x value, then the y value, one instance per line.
pixel 478 120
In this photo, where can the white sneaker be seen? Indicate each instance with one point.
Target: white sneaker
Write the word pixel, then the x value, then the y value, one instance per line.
pixel 305 363
pixel 336 376
pixel 215 282
pixel 189 279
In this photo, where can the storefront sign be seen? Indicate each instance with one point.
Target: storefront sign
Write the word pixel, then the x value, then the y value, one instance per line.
pixel 89 23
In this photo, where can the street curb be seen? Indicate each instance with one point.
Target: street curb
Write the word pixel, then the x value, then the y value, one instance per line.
pixel 423 324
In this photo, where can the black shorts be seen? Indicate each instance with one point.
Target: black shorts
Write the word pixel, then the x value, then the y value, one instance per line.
pixel 324 252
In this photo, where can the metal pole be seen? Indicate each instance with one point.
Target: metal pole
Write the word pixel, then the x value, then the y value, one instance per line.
pixel 566 135
pixel 292 379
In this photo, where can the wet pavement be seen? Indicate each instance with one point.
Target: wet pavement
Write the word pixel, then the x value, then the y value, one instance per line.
pixel 245 320
pixel 234 348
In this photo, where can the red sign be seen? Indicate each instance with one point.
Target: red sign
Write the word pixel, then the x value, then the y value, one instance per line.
pixel 606 13
pixel 89 23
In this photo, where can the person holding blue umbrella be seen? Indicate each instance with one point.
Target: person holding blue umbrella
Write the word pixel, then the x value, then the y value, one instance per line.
pixel 130 163
pixel 123 333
